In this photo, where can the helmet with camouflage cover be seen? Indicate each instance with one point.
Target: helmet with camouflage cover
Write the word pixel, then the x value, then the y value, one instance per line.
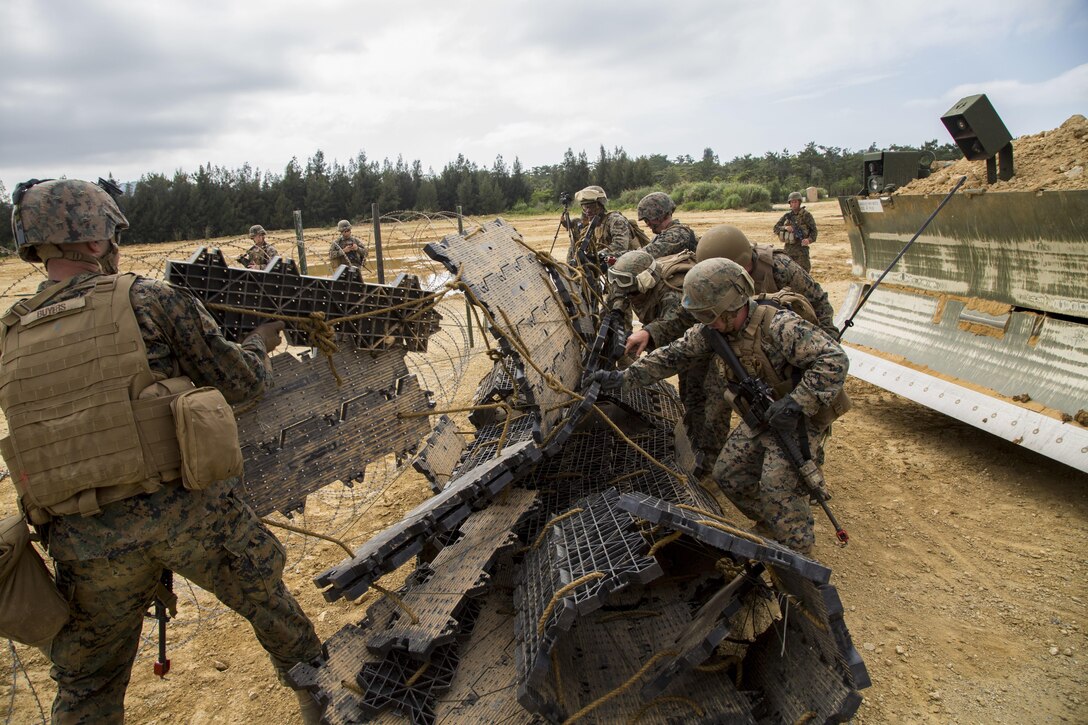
pixel 343 224
pixel 714 287
pixel 635 272
pixel 55 212
pixel 591 194
pixel 656 205
pixel 725 241
pixel 794 196
pixel 255 230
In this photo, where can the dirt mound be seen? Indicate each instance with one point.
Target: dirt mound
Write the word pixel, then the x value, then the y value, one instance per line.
pixel 1048 161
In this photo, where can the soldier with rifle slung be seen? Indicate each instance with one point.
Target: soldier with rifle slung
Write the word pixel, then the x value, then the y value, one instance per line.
pixel 797 229
pixel 786 380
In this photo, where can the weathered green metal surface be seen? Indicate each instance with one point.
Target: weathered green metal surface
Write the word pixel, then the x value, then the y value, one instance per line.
pixel 1023 248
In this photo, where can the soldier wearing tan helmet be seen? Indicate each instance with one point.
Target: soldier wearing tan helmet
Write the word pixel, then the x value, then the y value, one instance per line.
pixel 613 233
pixel 797 230
pixel 805 367
pixel 347 250
pixel 261 253
pixel 671 237
pixel 771 270
pixel 99 367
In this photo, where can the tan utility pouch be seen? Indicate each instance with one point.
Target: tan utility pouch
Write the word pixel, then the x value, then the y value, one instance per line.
pixel 827 414
pixel 207 436
pixel 32 609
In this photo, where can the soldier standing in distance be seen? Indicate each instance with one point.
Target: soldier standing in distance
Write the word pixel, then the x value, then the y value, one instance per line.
pixel 261 253
pixel 347 249
pixel 804 365
pixel 612 236
pixel 111 510
pixel 655 211
pixel 797 229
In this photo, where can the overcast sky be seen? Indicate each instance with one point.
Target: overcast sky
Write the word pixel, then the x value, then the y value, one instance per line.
pixel 98 86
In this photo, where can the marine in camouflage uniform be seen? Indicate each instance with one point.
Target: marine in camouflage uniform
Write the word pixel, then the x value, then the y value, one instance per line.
pixel 261 253
pixel 347 249
pixel 108 564
pixel 653 289
pixel 770 269
pixel 797 220
pixel 752 469
pixel 671 237
pixel 612 235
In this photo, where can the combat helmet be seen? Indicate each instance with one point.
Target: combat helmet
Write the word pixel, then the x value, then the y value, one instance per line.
pixel 56 212
pixel 635 272
pixel 795 196
pixel 591 194
pixel 725 241
pixel 255 230
pixel 343 224
pixel 714 287
pixel 655 205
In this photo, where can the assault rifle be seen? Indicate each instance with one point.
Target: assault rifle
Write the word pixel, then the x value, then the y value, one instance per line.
pixel 755 397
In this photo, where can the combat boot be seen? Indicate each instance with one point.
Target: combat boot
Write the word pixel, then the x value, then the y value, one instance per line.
pixel 308 708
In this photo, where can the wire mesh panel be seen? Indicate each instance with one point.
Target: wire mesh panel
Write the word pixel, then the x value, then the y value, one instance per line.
pixel 399 314
pixel 308 431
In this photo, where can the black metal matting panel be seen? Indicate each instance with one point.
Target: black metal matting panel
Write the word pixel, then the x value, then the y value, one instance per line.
pixel 569 572
pixel 608 647
pixel 709 531
pixel 440 453
pixel 280 289
pixel 697 641
pixel 806 663
pixel 485 445
pixel 459 571
pixel 528 318
pixel 439 514
pixel 497 385
pixel 330 680
pixel 307 431
pixel 484 687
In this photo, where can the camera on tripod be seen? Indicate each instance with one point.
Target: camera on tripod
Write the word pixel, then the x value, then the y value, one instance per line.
pixel 565 198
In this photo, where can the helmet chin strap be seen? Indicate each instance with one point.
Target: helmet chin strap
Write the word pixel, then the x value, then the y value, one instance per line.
pixel 105 262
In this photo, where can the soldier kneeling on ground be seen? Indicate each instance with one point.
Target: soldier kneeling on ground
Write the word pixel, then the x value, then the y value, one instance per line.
pixel 803 364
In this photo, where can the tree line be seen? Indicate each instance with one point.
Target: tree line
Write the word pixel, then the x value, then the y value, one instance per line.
pixel 215 201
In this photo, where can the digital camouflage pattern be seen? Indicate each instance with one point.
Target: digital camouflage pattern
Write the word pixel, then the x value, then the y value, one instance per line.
pixel 748 456
pixel 803 221
pixel 655 205
pixel 351 257
pixel 259 255
pixel 674 238
pixel 784 272
pixel 108 564
pixel 612 235
pixel 65 211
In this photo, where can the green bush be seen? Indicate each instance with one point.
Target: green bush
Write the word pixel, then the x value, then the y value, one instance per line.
pixel 732 201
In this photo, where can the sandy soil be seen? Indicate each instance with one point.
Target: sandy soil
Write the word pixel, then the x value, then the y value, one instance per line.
pixel 964 580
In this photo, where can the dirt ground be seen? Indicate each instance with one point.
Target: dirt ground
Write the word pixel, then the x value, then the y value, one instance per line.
pixel 964 581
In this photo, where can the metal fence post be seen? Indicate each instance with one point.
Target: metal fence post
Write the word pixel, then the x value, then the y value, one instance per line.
pixel 298 241
pixel 378 242
pixel 468 305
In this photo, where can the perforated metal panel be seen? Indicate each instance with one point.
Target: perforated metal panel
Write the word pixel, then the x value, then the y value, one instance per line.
pixel 307 432
pixel 281 290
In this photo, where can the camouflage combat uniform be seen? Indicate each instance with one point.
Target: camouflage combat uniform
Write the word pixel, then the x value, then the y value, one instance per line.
pixel 108 564
pixel 803 222
pixel 259 255
pixel 674 238
pixel 752 469
pixel 355 258
pixel 612 236
pixel 773 270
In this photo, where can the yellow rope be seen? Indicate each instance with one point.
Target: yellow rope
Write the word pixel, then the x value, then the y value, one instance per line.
pixel 730 530
pixel 419 673
pixel 396 600
pixel 662 543
pixel 349 685
pixel 553 522
pixel 657 702
pixel 562 593
pixel 797 603
pixel 558 677
pixel 807 717
pixel 622 688
pixel 307 532
pixel 625 476
pixel 681 477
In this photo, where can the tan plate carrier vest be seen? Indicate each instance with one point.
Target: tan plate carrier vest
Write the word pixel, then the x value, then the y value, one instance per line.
pixel 763 269
pixel 749 350
pixel 70 374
